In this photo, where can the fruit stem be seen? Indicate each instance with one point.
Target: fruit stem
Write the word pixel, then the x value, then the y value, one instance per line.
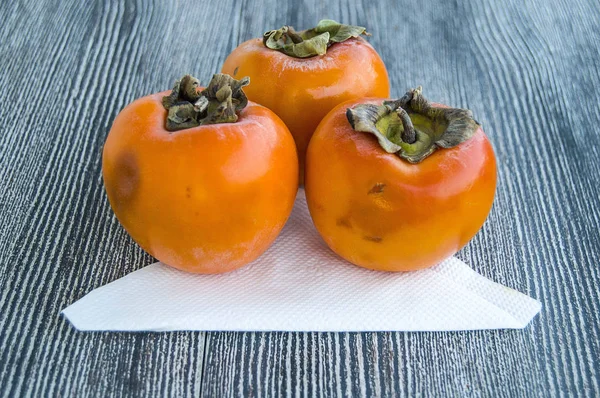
pixel 408 134
pixel 189 105
pixel 294 36
pixel 425 127
pixel 310 42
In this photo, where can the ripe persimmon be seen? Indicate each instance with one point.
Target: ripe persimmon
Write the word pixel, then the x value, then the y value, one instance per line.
pixel 201 179
pixel 301 76
pixel 399 185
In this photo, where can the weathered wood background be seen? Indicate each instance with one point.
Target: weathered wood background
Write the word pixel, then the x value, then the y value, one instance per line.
pixel 528 69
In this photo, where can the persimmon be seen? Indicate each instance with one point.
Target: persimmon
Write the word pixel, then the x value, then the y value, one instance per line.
pixel 202 179
pixel 301 76
pixel 399 185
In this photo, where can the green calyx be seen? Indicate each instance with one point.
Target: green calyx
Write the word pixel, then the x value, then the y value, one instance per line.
pixel 189 106
pixel 411 127
pixel 310 42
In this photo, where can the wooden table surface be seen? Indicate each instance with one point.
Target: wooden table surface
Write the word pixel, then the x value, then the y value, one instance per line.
pixel 530 72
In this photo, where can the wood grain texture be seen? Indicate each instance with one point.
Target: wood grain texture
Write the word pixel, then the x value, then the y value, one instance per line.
pixel 529 71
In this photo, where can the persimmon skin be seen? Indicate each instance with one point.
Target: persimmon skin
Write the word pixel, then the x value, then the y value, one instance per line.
pixel 208 199
pixel 301 91
pixel 380 212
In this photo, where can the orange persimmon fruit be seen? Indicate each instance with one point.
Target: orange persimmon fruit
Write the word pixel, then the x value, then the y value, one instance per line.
pixel 201 179
pixel 301 76
pixel 399 185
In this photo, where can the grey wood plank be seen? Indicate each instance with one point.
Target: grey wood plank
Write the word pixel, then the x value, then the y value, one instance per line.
pixel 528 71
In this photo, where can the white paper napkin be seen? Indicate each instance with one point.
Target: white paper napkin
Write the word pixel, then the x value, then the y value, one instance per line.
pixel 301 285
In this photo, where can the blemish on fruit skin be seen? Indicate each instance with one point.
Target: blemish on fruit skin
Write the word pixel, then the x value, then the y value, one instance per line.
pixel 319 207
pixel 377 188
pixel 235 71
pixel 128 177
pixel 376 239
pixel 343 222
pixel 188 192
